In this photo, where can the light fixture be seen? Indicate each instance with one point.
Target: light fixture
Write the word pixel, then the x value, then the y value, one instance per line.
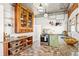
pixel 45 14
pixel 40 8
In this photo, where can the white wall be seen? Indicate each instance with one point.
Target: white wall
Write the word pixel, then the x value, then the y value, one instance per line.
pixel 9 13
pixel 44 22
pixel 9 17
pixel 37 33
pixel 1 28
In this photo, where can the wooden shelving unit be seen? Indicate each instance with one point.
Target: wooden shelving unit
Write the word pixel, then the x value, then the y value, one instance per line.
pixel 15 47
pixel 23 19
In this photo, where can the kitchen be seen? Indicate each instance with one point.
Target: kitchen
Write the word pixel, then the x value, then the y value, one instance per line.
pixel 37 26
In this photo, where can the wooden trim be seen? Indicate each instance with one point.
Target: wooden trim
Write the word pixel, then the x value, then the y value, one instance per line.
pixel 72 8
pixel 17 14
pixel 5 45
pixel 5 48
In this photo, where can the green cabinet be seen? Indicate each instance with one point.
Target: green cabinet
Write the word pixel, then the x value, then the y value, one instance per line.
pixel 53 40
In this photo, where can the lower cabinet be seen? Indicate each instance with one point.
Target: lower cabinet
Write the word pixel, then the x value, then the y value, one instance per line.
pixel 17 46
pixel 53 40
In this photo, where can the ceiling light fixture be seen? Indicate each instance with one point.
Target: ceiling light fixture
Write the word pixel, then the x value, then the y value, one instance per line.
pixel 45 14
pixel 40 8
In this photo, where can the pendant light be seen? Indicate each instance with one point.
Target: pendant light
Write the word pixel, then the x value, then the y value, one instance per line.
pixel 40 8
pixel 45 14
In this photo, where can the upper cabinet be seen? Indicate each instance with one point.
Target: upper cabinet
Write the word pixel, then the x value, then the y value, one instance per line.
pixel 23 19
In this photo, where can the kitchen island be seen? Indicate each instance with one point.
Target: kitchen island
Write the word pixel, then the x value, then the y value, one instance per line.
pixel 55 40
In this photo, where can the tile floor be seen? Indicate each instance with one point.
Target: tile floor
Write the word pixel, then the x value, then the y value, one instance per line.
pixel 45 50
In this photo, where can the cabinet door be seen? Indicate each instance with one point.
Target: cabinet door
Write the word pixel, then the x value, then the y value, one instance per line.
pixel 53 40
pixel 30 22
pixel 21 19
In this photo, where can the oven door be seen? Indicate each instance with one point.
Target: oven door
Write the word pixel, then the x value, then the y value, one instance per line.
pixel 44 38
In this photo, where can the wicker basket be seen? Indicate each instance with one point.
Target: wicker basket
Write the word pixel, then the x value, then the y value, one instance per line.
pixel 70 41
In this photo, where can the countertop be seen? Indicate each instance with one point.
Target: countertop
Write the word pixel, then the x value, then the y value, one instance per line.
pixel 16 38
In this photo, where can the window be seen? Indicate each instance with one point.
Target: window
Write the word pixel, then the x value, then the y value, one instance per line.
pixel 77 22
pixel 72 24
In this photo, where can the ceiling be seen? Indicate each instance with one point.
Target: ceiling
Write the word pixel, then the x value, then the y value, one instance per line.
pixel 50 7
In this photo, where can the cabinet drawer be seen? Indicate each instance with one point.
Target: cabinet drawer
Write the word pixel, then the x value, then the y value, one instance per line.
pixel 21 48
pixel 14 44
pixel 15 51
pixel 20 42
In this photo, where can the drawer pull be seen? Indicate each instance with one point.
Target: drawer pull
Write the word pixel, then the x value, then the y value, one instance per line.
pixel 16 44
pixel 16 50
